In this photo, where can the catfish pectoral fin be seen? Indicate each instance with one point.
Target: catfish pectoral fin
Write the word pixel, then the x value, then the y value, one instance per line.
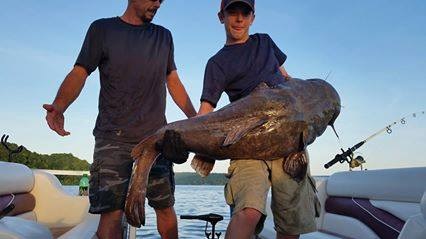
pixel 135 201
pixel 296 165
pixel 242 129
pixel 202 165
pixel 137 151
pixel 145 147
pixel 132 217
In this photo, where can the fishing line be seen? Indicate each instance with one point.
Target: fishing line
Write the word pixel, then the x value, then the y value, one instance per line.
pixel 329 73
pixel 388 128
pixel 348 154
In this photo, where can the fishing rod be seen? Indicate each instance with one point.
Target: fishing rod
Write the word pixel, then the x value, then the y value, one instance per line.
pixel 347 156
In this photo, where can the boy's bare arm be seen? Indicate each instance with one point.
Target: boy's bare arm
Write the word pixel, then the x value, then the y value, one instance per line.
pixel 67 93
pixel 205 108
pixel 284 73
pixel 203 163
pixel 179 95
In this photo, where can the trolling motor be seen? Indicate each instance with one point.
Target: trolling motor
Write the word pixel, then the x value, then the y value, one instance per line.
pixel 11 151
pixel 209 218
pixel 348 155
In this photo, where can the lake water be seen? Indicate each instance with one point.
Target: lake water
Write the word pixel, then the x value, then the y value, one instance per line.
pixel 192 200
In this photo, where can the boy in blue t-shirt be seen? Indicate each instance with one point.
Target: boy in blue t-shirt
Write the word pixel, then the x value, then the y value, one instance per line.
pixel 244 62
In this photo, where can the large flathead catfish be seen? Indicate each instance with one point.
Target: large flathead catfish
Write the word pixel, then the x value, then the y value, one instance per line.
pixel 268 124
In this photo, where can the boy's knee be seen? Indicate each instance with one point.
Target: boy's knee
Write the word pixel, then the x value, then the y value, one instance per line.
pixel 250 214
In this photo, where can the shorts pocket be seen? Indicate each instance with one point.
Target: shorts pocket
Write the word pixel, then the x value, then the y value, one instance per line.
pixel 229 198
pixel 315 200
pixel 231 169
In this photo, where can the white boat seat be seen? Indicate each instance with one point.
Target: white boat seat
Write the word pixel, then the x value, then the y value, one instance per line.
pixel 423 205
pixel 84 230
pixel 22 203
pixel 387 203
pixel 15 178
pixel 19 228
pixel 17 181
pixel 415 227
pixel 39 203
pixel 319 235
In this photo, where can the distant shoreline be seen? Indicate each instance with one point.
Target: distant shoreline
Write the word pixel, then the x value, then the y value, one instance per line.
pixel 62 161
pixel 184 178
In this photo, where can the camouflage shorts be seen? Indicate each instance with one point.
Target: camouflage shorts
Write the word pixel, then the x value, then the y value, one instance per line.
pixel 110 174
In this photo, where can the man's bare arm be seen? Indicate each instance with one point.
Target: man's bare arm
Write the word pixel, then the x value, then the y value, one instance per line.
pixel 179 95
pixel 67 93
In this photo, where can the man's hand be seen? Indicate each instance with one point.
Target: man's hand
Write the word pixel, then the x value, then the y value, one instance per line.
pixel 67 93
pixel 55 119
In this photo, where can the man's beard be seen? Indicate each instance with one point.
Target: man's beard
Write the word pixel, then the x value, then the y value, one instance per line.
pixel 146 18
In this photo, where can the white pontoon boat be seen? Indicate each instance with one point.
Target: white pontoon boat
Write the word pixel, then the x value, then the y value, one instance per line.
pixel 389 203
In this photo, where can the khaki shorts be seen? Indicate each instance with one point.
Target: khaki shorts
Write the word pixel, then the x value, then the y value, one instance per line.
pixel 294 205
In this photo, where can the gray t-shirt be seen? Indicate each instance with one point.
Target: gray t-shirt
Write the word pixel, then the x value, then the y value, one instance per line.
pixel 238 69
pixel 133 62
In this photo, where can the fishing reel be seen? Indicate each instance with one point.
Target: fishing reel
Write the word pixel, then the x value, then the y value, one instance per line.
pixel 355 162
pixel 348 156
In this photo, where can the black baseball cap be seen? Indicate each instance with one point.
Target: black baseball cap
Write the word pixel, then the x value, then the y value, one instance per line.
pixel 226 3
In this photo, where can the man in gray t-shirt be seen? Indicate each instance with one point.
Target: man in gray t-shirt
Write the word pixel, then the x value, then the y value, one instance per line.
pixel 135 59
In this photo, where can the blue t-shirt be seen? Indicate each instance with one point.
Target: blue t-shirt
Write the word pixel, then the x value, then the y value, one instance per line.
pixel 133 63
pixel 238 69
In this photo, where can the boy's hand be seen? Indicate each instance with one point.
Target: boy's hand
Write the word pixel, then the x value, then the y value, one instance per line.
pixel 172 147
pixel 55 119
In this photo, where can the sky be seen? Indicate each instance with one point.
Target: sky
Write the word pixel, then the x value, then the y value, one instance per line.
pixel 373 51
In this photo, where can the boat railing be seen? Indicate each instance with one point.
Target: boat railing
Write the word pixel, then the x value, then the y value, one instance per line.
pixel 65 172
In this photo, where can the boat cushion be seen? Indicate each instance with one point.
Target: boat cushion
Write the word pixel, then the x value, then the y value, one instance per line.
pixel 403 184
pixel 19 228
pixel 320 235
pixel 85 230
pixel 15 178
pixel 423 205
pixel 346 227
pixel 415 228
pixel 22 203
pixel 384 224
pixel 402 210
